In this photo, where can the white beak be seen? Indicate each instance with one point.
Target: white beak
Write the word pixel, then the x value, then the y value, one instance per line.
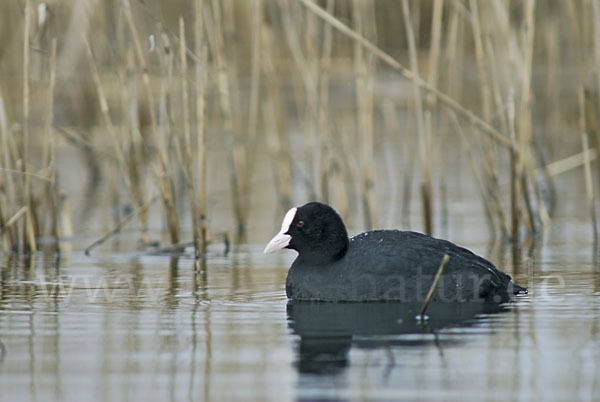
pixel 281 239
pixel 278 242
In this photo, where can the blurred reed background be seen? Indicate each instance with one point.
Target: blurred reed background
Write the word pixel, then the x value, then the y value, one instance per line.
pixel 319 91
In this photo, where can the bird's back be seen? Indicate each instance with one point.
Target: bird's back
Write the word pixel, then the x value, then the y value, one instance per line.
pixel 400 265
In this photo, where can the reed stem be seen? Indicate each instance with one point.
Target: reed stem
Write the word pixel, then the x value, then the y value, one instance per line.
pixel 117 228
pixel 201 82
pixel 363 66
pixel 164 180
pixel 52 187
pixel 423 135
pixel 589 190
pixel 28 228
pixel 276 134
pixel 407 73
pixel 436 279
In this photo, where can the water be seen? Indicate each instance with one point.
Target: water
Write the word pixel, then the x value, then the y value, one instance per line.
pixel 138 327
pixel 122 325
pixel 159 332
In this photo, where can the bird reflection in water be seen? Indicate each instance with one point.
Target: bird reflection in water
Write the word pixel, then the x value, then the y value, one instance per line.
pixel 329 330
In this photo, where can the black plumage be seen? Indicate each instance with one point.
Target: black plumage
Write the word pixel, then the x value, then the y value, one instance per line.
pixel 382 265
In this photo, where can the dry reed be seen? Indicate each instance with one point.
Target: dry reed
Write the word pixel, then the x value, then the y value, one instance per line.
pixel 326 160
pixel 434 284
pixel 201 82
pixel 515 173
pixel 52 188
pixel 589 189
pixel 422 133
pixel 391 62
pixel 364 66
pixel 29 242
pixel 492 208
pixel 296 56
pixel 117 228
pixel 276 139
pixel 240 174
pixel 162 177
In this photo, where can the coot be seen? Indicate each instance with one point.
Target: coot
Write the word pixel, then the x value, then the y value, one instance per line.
pixel 380 265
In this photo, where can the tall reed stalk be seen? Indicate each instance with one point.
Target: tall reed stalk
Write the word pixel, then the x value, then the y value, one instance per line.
pixel 29 242
pixel 5 203
pixel 201 166
pixel 424 136
pixel 326 161
pixel 515 173
pixel 162 177
pixel 238 158
pixel 276 136
pixel 306 89
pixel 52 187
pixel 589 189
pixel 364 70
pixel 593 100
pixel 492 207
pixel 186 155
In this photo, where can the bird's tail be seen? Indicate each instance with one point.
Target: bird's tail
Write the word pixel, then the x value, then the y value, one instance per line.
pixel 518 290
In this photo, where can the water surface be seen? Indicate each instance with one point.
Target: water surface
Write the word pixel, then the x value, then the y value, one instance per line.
pixel 131 327
pixel 125 325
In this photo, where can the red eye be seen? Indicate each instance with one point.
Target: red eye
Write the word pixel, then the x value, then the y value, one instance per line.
pixel 300 224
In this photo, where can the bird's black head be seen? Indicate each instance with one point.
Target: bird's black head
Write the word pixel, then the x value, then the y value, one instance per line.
pixel 315 231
